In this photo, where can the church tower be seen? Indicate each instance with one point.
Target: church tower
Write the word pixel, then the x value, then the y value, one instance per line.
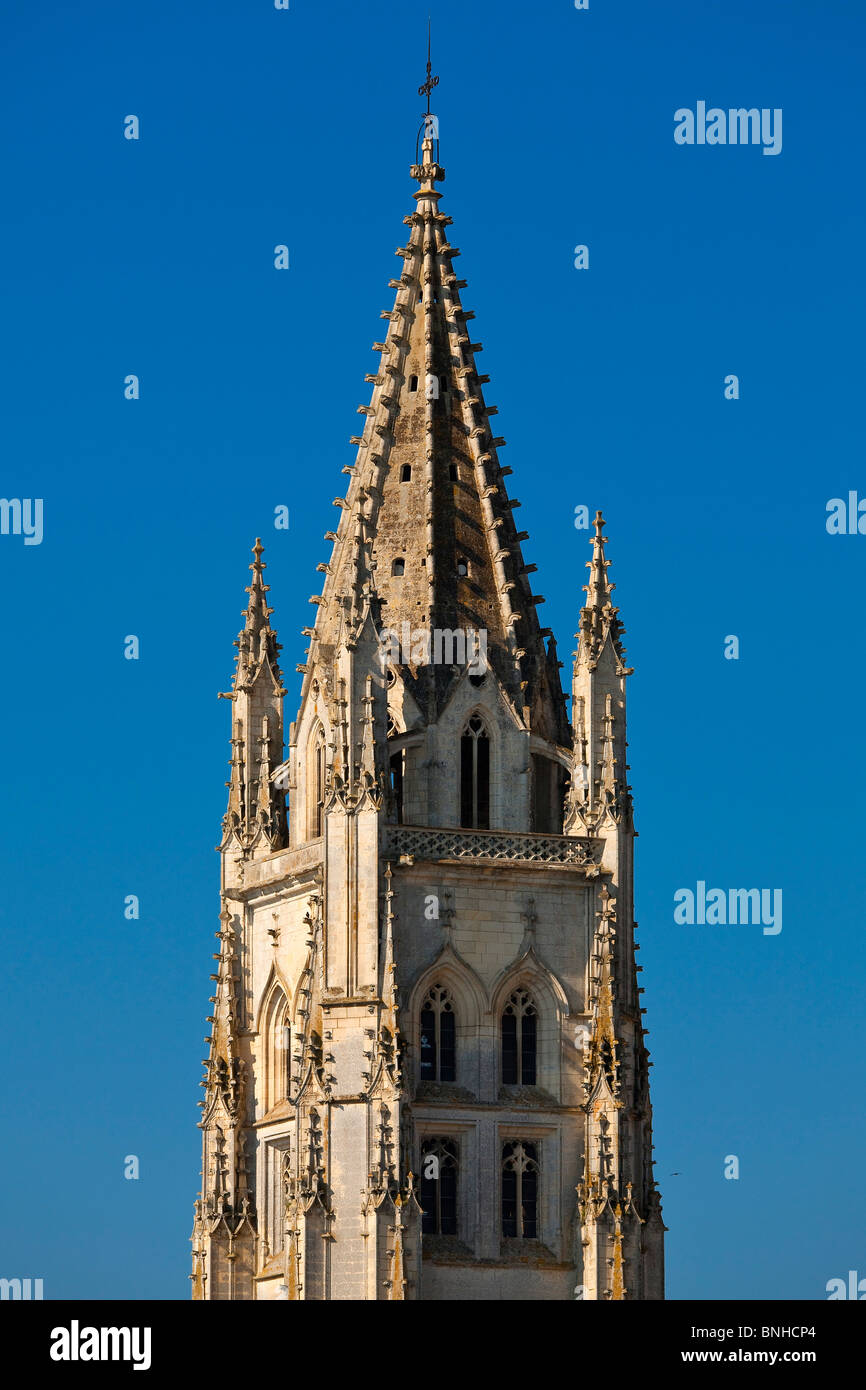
pixel 427 1075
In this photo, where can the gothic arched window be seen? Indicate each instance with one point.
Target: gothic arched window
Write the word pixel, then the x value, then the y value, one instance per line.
pixel 475 775
pixel 520 1190
pixel 519 1040
pixel 439 1187
pixel 317 819
pixel 438 1036
pixel 276 1040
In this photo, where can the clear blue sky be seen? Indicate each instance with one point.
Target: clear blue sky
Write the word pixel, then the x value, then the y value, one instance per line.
pixel 155 257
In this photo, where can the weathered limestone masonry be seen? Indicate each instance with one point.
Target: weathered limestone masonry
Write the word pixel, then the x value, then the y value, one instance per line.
pixel 425 994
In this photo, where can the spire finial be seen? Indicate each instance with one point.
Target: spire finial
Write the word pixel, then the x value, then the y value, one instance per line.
pixel 428 172
pixel 257 610
pixel 431 82
pixel 598 616
pixel 598 589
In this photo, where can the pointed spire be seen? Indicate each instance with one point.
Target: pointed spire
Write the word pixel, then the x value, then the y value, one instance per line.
pixel 257 640
pixel 598 590
pixel 256 809
pixel 599 791
pixel 427 533
pixel 598 617
pixel 258 612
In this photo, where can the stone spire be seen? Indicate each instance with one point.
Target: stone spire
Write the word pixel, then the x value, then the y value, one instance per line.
pixel 599 788
pixel 426 528
pixel 598 617
pixel 257 612
pixel 256 809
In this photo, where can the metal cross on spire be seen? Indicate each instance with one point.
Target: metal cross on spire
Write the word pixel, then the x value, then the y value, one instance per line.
pixel 431 82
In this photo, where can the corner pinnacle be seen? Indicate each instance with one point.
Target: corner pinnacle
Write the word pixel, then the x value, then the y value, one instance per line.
pixel 598 590
pixel 257 610
pixel 598 616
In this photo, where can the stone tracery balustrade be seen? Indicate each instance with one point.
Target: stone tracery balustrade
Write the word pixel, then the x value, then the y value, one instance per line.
pixel 513 847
